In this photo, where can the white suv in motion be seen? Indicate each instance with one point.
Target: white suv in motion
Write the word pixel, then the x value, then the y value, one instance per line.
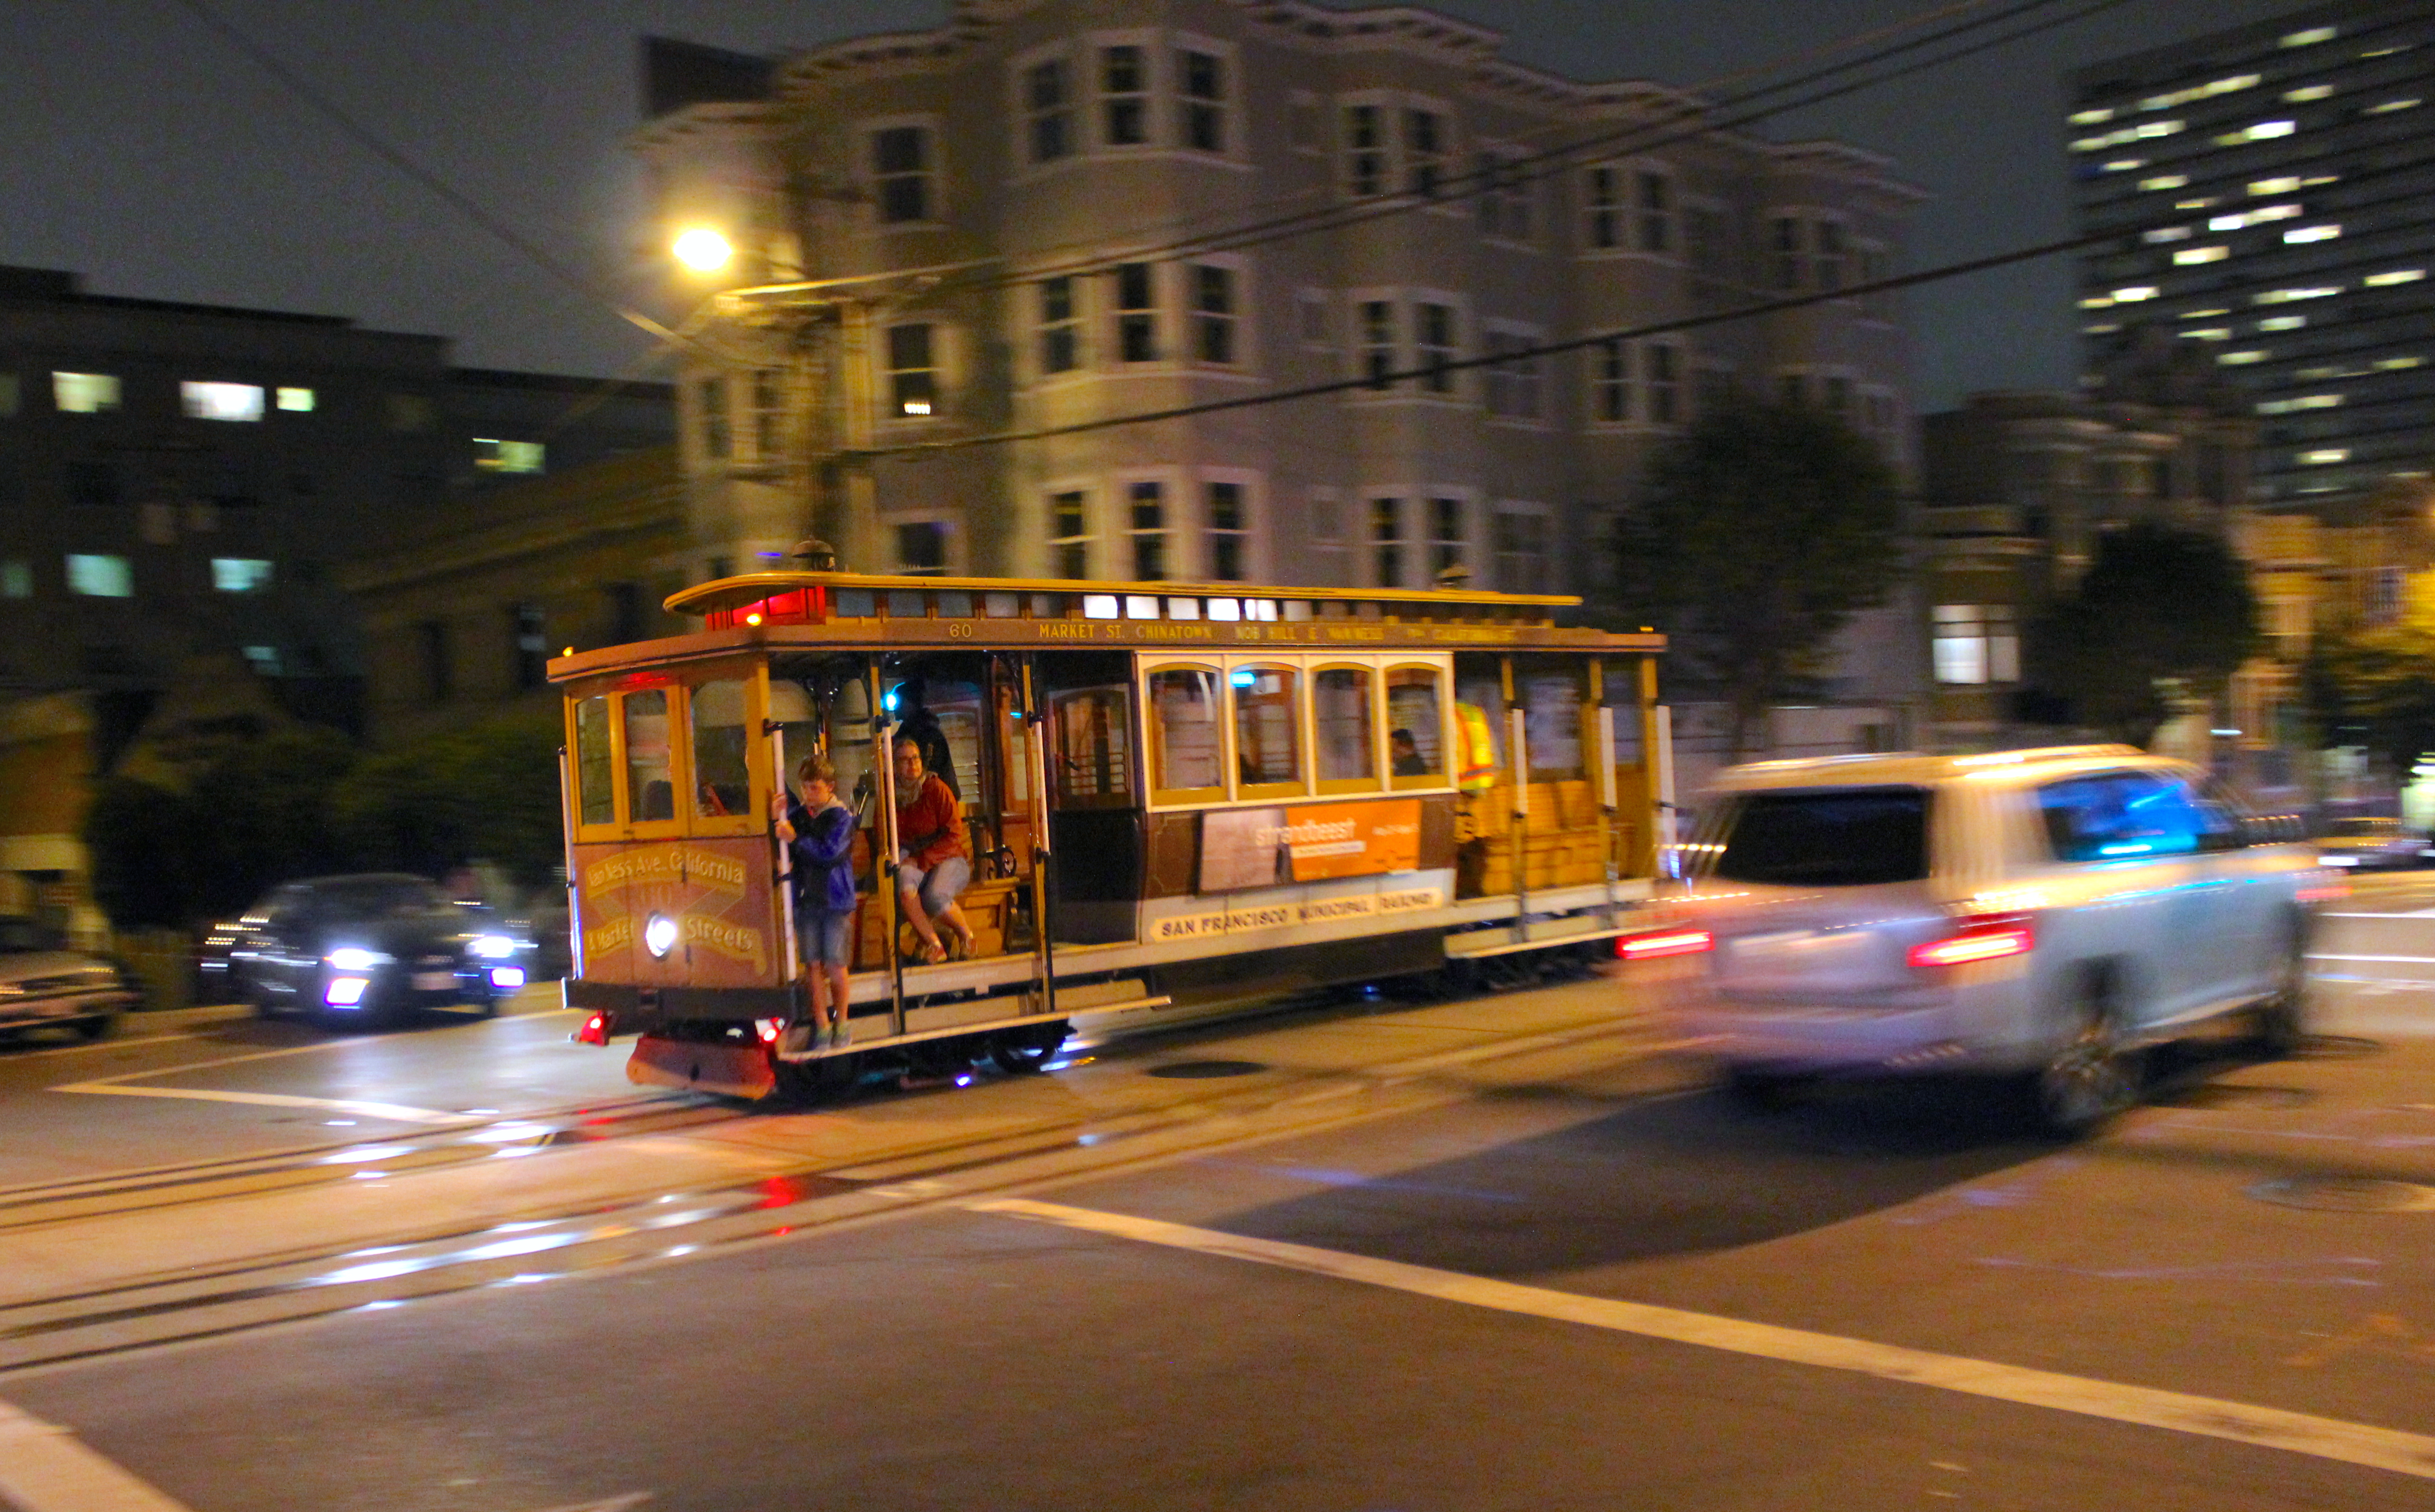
pixel 2038 912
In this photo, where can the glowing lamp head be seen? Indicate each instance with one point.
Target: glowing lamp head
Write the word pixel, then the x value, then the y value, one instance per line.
pixel 703 249
pixel 659 934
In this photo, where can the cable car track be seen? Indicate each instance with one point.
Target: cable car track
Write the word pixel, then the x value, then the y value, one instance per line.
pixel 143 1312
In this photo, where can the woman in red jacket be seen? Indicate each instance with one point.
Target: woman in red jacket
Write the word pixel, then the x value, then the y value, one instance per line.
pixel 933 866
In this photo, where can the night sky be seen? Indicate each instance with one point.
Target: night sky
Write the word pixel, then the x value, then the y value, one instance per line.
pixel 147 155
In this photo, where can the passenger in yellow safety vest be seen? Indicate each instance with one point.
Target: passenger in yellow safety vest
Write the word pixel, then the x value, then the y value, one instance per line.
pixel 1477 771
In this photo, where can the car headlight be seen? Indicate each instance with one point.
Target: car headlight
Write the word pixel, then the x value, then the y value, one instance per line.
pixel 2338 861
pixel 354 959
pixel 659 934
pixel 492 947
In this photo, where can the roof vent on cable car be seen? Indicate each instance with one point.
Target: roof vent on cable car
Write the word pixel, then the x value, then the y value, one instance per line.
pixel 1454 577
pixel 816 554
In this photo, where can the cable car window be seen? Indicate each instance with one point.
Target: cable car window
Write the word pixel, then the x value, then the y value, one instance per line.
pixel 1187 750
pixel 722 784
pixel 1551 703
pixel 650 793
pixel 1347 743
pixel 594 768
pixel 1412 711
pixel 1094 757
pixel 1268 729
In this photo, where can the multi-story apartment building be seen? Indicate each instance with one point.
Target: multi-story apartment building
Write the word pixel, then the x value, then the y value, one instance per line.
pixel 179 479
pixel 2275 185
pixel 1054 213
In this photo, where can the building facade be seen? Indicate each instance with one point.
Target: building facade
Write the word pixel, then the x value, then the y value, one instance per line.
pixel 2276 193
pixel 1049 214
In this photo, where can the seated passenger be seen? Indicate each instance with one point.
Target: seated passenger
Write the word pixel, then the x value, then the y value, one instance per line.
pixel 1406 754
pixel 933 865
pixel 819 836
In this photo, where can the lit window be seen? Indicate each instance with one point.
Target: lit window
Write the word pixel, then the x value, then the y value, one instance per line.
pixel 2213 333
pixel 2135 294
pixel 2391 106
pixel 2263 131
pixel 2399 275
pixel 2293 296
pixel 2398 363
pixel 2200 254
pixel 2101 302
pixel 491 455
pixel 239 574
pixel 912 371
pixel 2169 180
pixel 1976 643
pixel 2313 92
pixel 2194 204
pixel 264 659
pixel 2125 164
pixel 2105 329
pixel 2165 233
pixel 16 578
pixel 2323 455
pixel 2312 233
pixel 2240 359
pixel 85 393
pixel 296 401
pixel 2090 117
pixel 2203 315
pixel 2309 37
pixel 2283 323
pixel 97 577
pixel 2273 186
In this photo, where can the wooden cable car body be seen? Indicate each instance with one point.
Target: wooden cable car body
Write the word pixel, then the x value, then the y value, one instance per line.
pixel 1179 797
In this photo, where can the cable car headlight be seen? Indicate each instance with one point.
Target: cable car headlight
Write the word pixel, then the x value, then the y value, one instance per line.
pixel 356 958
pixel 659 934
pixel 492 947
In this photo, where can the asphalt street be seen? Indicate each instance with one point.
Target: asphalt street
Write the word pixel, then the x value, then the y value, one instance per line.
pixel 1500 1253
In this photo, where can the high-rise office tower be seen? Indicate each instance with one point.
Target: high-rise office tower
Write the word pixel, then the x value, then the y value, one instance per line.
pixel 2276 186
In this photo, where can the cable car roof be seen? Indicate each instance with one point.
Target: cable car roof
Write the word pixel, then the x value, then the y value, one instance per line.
pixel 751 588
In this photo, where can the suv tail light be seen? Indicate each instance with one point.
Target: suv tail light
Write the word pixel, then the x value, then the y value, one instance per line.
pixel 1976 937
pixel 1663 942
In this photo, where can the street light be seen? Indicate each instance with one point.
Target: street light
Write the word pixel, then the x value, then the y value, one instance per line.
pixel 703 249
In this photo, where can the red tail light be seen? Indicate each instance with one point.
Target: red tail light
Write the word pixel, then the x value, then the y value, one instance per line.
pixel 1664 942
pixel 1980 937
pixel 595 1031
pixel 771 1029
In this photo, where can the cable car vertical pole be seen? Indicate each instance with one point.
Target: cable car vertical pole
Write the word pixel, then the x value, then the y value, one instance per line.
pixel 1035 734
pixel 1605 757
pixel 1517 752
pixel 1656 769
pixel 883 757
pixel 784 886
pixel 567 817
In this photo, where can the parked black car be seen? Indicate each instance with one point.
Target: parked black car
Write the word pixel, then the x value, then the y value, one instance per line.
pixel 367 948
pixel 44 985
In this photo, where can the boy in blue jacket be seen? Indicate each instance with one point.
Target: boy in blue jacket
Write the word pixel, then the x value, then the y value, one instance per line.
pixel 818 836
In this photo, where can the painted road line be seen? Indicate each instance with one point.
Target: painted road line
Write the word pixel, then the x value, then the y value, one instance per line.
pixel 46 1468
pixel 2331 1439
pixel 394 1113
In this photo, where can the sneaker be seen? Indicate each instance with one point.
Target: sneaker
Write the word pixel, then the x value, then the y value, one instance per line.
pixel 836 1039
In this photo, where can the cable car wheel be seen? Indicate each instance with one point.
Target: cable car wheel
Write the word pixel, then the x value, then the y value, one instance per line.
pixel 1019 1051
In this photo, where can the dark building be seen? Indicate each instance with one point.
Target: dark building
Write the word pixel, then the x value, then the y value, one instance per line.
pixel 2278 191
pixel 178 480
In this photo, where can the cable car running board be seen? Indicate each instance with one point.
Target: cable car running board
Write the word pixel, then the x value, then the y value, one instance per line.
pixel 1496 942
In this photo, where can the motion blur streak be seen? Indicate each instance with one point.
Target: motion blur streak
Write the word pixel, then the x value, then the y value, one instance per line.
pixel 43 1468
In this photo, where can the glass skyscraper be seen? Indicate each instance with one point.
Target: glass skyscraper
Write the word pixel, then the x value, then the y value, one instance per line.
pixel 2275 188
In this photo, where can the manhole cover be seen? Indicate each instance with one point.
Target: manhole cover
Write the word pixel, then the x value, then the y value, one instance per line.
pixel 1206 1070
pixel 2344 1193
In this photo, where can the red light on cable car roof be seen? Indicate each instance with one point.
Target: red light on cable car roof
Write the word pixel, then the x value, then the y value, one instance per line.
pixel 634 681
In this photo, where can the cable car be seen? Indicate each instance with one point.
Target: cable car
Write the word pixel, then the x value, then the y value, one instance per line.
pixel 1177 799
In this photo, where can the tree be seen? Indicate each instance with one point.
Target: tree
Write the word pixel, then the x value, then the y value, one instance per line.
pixel 1759 532
pixel 256 813
pixel 2160 609
pixel 489 793
pixel 2376 689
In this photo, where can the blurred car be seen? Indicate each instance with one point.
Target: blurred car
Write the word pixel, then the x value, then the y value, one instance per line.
pixel 367 948
pixel 2045 914
pixel 2371 844
pixel 45 985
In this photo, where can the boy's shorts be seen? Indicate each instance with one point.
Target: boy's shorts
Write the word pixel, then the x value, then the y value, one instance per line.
pixel 823 936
